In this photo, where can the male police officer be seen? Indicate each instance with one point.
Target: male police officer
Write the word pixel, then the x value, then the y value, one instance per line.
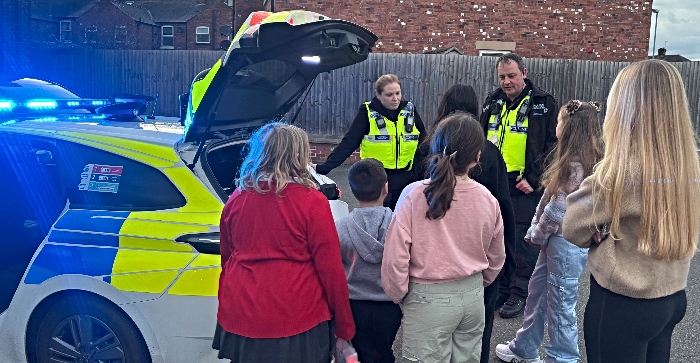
pixel 520 119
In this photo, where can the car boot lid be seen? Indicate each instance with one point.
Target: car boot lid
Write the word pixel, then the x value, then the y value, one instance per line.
pixel 272 60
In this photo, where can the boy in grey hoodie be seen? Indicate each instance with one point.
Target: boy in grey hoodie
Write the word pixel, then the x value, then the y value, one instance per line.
pixel 362 235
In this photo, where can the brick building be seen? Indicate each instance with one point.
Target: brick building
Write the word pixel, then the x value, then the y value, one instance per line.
pixel 610 30
pixel 124 24
pixel 14 38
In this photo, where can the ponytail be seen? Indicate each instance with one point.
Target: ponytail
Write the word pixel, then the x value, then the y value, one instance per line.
pixel 441 189
pixel 454 145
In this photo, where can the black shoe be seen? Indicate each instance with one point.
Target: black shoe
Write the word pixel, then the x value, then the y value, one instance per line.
pixel 502 298
pixel 512 308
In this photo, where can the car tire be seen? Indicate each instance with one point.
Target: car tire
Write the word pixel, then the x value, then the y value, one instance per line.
pixel 85 329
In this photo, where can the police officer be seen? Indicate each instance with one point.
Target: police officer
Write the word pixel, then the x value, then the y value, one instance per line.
pixel 520 119
pixel 387 129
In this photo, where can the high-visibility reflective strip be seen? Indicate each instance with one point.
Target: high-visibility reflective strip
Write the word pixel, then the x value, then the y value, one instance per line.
pixel 199 198
pixel 137 227
pixel 153 244
pixel 149 282
pixel 200 87
pixel 206 260
pixel 127 261
pixel 84 238
pixel 199 282
pixel 211 219
pixel 90 220
pixel 163 152
pixel 154 161
pixel 56 260
pixel 378 138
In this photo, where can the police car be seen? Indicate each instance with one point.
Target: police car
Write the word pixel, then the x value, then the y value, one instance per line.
pixel 110 229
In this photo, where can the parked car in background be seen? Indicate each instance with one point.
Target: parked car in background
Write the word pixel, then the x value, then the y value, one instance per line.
pixel 110 228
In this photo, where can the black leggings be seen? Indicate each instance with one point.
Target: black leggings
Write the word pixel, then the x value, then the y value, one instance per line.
pixel 618 328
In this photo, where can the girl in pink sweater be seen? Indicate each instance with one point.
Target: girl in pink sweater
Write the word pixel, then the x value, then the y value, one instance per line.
pixel 444 244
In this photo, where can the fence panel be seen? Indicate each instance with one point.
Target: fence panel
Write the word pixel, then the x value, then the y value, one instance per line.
pixel 332 101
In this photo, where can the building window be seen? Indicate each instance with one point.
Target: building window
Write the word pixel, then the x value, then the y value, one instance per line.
pixel 494 48
pixel 91 34
pixel 168 39
pixel 120 34
pixel 492 53
pixel 203 35
pixel 66 29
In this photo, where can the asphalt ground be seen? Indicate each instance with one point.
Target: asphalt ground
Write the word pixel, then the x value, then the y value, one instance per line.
pixel 684 336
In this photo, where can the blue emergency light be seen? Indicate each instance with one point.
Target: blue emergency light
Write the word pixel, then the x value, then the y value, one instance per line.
pixel 6 105
pixel 41 104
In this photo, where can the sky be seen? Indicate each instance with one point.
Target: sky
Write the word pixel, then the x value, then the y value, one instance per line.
pixel 678 29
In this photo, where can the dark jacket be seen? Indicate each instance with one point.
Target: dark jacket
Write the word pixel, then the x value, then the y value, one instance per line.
pixel 359 128
pixel 541 132
pixel 493 176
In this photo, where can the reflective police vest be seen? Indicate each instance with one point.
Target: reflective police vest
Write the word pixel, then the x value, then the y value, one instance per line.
pixel 392 143
pixel 508 131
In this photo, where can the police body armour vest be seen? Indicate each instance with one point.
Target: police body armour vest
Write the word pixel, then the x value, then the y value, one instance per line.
pixel 392 143
pixel 508 131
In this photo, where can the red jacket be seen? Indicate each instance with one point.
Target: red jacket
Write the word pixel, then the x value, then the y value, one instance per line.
pixel 281 269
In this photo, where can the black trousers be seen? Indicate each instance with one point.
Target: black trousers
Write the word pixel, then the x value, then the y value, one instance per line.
pixel 398 179
pixel 376 324
pixel 618 328
pixel 524 207
pixel 490 296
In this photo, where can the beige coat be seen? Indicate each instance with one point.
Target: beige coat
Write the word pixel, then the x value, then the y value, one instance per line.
pixel 616 264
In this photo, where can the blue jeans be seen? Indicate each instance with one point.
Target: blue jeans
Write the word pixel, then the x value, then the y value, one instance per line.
pixel 553 292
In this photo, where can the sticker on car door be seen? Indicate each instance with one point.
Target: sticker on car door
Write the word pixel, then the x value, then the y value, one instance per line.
pixel 100 178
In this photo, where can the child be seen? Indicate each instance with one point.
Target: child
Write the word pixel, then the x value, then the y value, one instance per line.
pixel 644 192
pixel 362 235
pixel 443 246
pixel 281 273
pixel 554 283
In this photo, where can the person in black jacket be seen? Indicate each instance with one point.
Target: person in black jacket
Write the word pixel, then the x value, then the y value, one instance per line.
pixel 388 129
pixel 491 173
pixel 520 119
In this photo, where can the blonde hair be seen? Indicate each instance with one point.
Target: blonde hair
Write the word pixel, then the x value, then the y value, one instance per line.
pixel 581 141
pixel 650 141
pixel 279 154
pixel 385 80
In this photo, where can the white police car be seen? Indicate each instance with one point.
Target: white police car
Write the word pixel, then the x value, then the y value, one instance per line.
pixel 109 230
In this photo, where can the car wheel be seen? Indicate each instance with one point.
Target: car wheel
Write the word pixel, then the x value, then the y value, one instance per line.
pixel 83 329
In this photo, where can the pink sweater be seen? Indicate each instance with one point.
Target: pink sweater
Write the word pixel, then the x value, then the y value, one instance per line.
pixel 467 240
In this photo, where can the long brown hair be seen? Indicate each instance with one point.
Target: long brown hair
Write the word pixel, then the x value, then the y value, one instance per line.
pixel 581 140
pixel 455 144
pixel 651 144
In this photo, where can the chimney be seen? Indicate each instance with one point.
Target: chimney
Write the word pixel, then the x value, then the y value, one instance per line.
pixel 662 53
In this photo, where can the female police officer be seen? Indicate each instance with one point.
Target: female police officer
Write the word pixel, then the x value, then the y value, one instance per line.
pixel 387 129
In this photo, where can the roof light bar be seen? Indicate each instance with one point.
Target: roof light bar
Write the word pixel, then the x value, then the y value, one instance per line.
pixel 42 104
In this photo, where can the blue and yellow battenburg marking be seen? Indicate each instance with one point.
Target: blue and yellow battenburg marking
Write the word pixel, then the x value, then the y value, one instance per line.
pixel 132 251
pixel 135 251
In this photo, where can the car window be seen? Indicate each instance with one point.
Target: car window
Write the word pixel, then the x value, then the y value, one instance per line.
pixel 96 179
pixel 32 199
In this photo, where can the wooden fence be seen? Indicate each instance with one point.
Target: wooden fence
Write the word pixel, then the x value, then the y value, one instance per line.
pixel 334 98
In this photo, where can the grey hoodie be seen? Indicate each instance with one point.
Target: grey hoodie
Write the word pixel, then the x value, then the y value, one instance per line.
pixel 362 235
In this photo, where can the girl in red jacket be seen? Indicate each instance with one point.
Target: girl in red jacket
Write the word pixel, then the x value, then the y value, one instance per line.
pixel 282 278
